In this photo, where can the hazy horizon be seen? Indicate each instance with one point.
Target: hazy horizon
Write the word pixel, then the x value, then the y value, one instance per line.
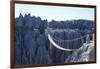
pixel 57 13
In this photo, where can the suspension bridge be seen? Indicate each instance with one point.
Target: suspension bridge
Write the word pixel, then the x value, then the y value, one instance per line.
pixel 57 43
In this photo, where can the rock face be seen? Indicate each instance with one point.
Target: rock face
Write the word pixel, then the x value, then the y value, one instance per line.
pixel 85 53
pixel 30 41
pixel 33 47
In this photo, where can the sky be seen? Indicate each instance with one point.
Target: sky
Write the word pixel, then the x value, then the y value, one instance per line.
pixel 58 13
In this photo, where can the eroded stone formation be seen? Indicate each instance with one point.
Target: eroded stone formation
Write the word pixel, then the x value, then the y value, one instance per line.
pixel 32 45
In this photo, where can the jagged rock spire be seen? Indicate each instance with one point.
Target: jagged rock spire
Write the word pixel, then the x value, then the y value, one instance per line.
pixel 20 16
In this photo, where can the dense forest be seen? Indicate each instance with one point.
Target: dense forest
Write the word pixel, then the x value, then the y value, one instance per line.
pixel 32 45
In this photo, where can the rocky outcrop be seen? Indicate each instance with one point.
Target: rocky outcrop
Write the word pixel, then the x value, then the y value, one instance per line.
pixel 32 45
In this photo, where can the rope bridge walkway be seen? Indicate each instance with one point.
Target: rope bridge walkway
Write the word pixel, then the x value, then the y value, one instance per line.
pixel 57 43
